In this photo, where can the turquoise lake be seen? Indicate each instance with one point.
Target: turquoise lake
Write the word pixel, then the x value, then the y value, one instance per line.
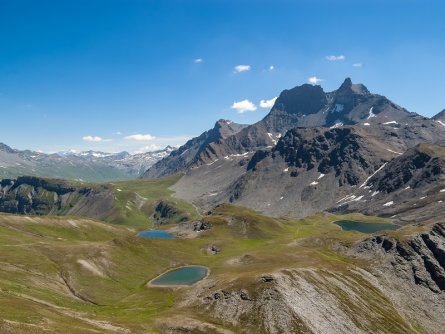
pixel 350 225
pixel 155 234
pixel 182 276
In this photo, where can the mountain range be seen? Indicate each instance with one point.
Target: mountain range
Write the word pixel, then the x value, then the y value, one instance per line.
pixel 87 166
pixel 313 149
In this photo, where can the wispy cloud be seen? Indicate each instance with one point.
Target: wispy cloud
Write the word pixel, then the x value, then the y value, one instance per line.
pixel 198 60
pixel 314 80
pixel 148 148
pixel 242 68
pixel 140 137
pixel 335 58
pixel 358 65
pixel 243 106
pixel 268 103
pixel 95 139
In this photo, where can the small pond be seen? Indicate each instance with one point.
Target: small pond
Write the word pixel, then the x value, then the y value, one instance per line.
pixel 350 225
pixel 154 234
pixel 181 276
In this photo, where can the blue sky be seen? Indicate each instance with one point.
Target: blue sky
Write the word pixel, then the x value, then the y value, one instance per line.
pixel 123 74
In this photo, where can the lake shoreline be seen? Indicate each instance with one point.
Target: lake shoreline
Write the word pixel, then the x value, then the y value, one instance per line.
pixel 150 283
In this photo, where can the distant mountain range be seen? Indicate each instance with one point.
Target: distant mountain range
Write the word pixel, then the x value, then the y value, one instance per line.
pixel 87 166
pixel 315 151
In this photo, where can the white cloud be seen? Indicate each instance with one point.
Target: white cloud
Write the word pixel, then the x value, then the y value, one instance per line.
pixel 242 68
pixel 198 60
pixel 140 137
pixel 357 65
pixel 335 58
pixel 267 103
pixel 148 148
pixel 314 80
pixel 95 139
pixel 271 68
pixel 243 106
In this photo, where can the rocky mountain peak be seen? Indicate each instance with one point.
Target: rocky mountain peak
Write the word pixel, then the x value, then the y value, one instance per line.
pixel 304 99
pixel 348 88
pixel 224 128
pixel 6 148
pixel 440 116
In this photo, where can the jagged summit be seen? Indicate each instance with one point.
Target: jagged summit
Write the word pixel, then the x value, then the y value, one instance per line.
pixel 347 87
pixel 440 116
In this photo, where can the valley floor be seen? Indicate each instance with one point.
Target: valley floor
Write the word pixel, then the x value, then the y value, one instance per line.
pixel 267 275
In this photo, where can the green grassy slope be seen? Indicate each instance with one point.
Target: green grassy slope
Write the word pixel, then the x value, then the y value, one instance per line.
pixel 77 275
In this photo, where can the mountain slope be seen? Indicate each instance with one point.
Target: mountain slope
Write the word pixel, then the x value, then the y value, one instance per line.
pixel 188 154
pixel 440 117
pixel 411 187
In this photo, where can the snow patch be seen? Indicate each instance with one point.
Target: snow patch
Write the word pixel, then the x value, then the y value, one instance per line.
pixel 371 114
pixel 211 163
pixel 314 183
pixel 336 125
pixel 338 108
pixel 378 170
pixel 423 197
pixel 286 169
pixel 239 155
pixel 442 191
pixel 393 151
pixel 388 203
pixel 366 124
pixel 347 197
pixel 274 141
pixel 321 175
pixel 374 193
pixel 440 122
pixel 390 122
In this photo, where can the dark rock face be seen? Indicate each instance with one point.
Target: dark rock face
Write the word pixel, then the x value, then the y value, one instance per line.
pixel 409 187
pixel 200 226
pixel 331 150
pixel 420 259
pixel 302 100
pixel 37 196
pixel 165 210
pixel 308 170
